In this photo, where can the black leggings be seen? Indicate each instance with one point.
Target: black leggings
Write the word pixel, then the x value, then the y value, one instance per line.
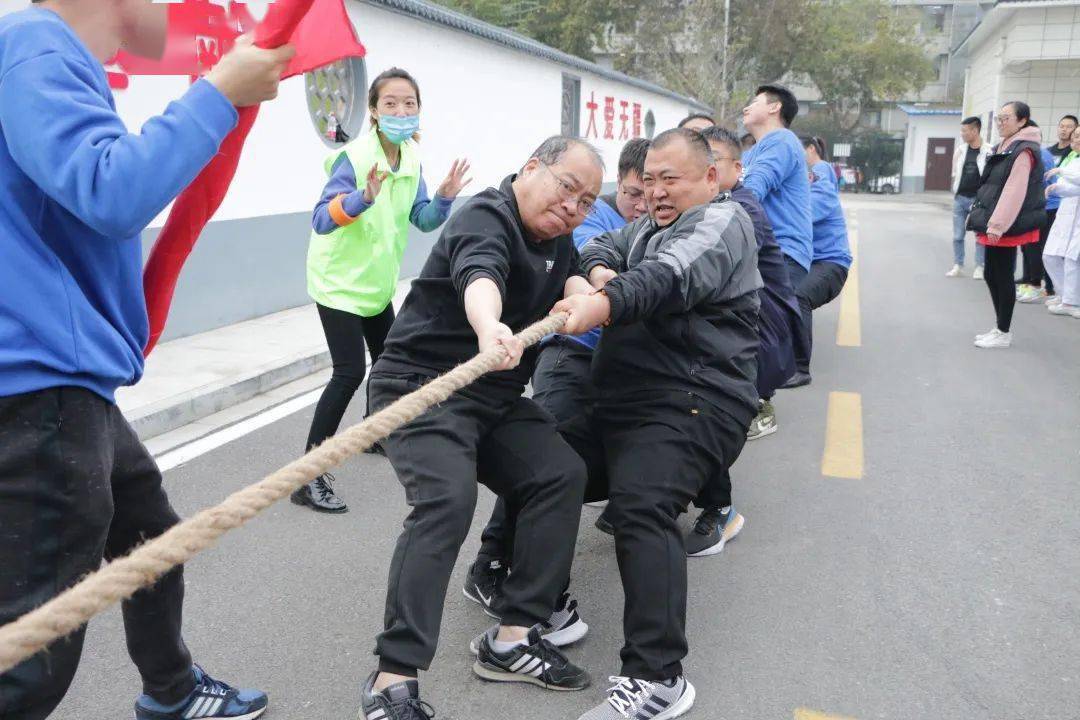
pixel 999 272
pixel 346 335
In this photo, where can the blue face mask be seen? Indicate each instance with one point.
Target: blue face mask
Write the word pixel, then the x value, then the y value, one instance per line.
pixel 399 129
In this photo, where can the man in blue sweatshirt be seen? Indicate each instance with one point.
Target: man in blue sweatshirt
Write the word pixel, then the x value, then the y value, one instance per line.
pixel 76 191
pixel 832 253
pixel 776 174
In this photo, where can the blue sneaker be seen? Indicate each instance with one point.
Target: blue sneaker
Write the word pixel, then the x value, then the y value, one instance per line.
pixel 210 700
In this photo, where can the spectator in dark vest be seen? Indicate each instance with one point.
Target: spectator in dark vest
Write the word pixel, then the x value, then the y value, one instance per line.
pixel 1009 211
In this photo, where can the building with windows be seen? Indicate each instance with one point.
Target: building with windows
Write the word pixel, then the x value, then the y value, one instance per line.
pixel 1023 50
pixel 488 94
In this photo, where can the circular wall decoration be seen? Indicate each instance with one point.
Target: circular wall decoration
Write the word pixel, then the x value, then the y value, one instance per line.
pixel 337 100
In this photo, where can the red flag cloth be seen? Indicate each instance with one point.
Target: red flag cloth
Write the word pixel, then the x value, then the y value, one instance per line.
pixel 322 33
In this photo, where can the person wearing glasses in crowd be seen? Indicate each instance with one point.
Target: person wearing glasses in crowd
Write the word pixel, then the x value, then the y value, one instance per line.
pixel 1009 212
pixel 360 227
pixel 562 385
pixel 499 265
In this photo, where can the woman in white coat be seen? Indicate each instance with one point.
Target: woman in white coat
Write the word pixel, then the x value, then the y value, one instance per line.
pixel 1061 256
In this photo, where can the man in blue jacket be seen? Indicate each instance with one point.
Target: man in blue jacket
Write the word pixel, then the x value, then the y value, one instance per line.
pixel 776 174
pixel 76 485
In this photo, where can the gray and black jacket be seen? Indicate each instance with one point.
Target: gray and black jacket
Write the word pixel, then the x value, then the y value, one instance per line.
pixel 684 308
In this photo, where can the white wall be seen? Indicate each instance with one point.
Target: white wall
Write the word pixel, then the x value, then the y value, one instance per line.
pixel 920 129
pixel 1035 57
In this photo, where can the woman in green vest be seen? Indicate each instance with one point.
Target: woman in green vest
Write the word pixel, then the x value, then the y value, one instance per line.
pixel 360 227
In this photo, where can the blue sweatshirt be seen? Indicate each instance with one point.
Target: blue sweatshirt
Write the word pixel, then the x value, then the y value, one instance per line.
pixel 603 217
pixel 425 214
pixel 776 173
pixel 1051 161
pixel 76 191
pixel 830 228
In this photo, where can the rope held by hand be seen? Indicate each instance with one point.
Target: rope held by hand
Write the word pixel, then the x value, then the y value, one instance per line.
pixel 122 578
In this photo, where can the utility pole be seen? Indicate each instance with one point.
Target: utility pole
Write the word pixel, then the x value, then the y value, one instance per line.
pixel 724 64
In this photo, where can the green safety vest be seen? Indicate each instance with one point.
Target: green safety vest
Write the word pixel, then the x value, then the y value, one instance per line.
pixel 355 268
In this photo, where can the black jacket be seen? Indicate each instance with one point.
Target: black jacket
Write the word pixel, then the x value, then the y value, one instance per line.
pixel 684 308
pixel 485 238
pixel 999 165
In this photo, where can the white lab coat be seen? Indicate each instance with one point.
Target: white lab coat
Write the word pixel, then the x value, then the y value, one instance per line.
pixel 1064 238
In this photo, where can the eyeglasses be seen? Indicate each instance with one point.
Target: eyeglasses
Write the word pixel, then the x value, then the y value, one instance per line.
pixel 568 192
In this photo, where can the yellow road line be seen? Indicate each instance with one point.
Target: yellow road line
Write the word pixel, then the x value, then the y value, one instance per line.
pixel 804 714
pixel 849 331
pixel 843 456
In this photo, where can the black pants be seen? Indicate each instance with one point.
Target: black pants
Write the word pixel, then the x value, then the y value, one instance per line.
pixel 1033 271
pixel 816 287
pixel 346 334
pixel 562 385
pixel 1000 270
pixel 76 485
pixel 507 443
pixel 661 449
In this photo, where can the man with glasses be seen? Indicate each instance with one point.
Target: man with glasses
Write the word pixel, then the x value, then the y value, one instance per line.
pixel 500 264
pixel 562 385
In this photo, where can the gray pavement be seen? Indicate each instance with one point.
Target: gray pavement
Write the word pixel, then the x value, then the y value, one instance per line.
pixel 943 584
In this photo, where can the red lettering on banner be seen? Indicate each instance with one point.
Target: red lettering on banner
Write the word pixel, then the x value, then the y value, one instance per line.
pixel 637 120
pixel 624 133
pixel 590 129
pixel 609 118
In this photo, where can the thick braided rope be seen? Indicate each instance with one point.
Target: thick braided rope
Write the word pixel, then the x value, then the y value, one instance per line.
pixel 121 578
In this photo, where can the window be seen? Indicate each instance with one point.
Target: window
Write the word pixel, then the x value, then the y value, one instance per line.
pixel 933 18
pixel 941 66
pixel 571 106
pixel 337 100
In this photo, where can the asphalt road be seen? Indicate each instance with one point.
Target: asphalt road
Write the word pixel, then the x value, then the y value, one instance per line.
pixel 942 584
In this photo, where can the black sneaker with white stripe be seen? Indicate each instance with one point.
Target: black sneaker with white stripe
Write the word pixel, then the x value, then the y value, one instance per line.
pixel 644 700
pixel 400 701
pixel 537 662
pixel 564 627
pixel 483 585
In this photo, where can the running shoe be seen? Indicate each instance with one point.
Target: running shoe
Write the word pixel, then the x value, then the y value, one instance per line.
pixel 714 528
pixel 797 380
pixel 1062 309
pixel 400 701
pixel 765 422
pixel 644 700
pixel 999 340
pixel 978 274
pixel 483 585
pixel 536 661
pixel 210 700
pixel 564 627
pixel 956 271
pixel 1031 294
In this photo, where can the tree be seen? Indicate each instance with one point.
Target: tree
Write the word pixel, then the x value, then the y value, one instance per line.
pixel 578 27
pixel 856 52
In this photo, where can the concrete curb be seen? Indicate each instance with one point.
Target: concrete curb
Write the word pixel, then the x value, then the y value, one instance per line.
pixel 179 410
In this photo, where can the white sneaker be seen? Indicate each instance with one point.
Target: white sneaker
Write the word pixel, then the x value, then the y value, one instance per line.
pixel 1062 309
pixel 988 333
pixel 1076 313
pixel 998 340
pixel 956 271
pixel 978 274
pixel 1053 300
